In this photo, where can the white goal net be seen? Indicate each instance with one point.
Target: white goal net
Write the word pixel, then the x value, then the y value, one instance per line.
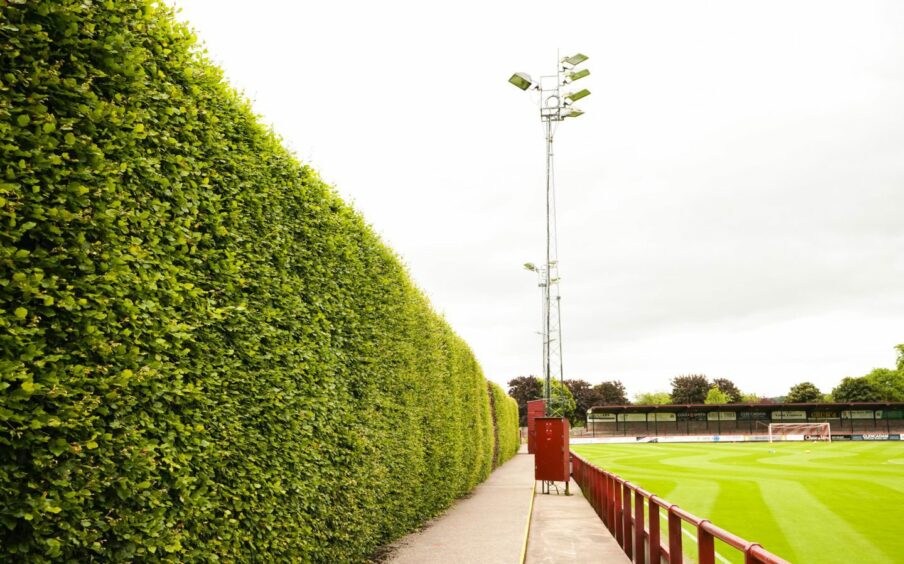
pixel 800 432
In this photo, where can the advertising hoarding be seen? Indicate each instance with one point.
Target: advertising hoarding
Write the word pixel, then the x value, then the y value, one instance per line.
pixel 786 415
pixel 721 416
pixel 860 414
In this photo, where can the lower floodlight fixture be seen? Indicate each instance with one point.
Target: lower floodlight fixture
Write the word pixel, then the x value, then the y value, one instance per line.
pixel 573 113
pixel 574 60
pixel 522 80
pixel 575 96
pixel 572 76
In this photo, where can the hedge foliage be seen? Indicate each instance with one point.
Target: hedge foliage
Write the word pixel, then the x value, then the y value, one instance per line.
pixel 505 424
pixel 205 353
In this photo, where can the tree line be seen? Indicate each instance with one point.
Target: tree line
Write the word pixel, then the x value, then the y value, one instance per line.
pixel 881 384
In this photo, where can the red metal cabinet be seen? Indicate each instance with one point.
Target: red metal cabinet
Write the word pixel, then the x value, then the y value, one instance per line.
pixel 551 458
pixel 535 408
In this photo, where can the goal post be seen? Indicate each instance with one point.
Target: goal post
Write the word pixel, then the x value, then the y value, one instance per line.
pixel 806 431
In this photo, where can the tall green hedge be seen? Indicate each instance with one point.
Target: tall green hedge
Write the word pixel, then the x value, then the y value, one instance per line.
pixel 505 420
pixel 205 353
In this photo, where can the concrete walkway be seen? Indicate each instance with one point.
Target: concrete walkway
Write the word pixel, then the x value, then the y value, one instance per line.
pixel 491 525
pixel 486 527
pixel 566 529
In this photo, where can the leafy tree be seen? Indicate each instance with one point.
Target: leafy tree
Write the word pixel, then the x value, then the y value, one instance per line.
pixel 690 389
pixel 900 358
pixel 750 398
pixel 585 396
pixel 804 392
pixel 716 396
pixel 855 389
pixel 728 388
pixel 653 398
pixel 888 383
pixel 560 398
pixel 612 393
pixel 525 389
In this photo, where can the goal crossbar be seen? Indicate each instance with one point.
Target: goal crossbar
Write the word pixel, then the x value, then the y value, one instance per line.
pixel 807 431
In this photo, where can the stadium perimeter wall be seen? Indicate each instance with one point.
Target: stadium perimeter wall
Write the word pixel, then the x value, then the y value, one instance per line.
pixel 741 419
pixel 588 440
pixel 205 352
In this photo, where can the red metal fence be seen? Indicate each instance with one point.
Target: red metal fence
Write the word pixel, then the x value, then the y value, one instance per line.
pixel 642 540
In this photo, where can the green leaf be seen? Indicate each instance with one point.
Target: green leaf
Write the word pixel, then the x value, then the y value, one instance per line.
pixel 21 312
pixel 58 446
pixel 23 120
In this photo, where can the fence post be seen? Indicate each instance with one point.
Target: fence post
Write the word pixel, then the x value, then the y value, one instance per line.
pixel 749 558
pixel 619 522
pixel 626 516
pixel 706 548
pixel 653 518
pixel 610 503
pixel 576 472
pixel 675 554
pixel 597 486
pixel 600 496
pixel 639 552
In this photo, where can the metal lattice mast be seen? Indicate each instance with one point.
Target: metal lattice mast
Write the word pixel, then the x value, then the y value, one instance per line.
pixel 554 108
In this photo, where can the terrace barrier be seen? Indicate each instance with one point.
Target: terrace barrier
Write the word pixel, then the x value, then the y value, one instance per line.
pixel 642 539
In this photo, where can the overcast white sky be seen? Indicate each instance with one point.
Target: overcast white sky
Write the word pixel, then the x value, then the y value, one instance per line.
pixel 730 204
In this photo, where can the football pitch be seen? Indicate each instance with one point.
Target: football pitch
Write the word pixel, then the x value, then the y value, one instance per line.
pixel 806 502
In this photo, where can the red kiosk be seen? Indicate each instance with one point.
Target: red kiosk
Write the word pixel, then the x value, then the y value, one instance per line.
pixel 552 457
pixel 535 409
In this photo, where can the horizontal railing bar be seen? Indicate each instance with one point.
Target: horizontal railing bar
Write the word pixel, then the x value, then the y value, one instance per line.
pixel 764 556
pixel 726 537
pixel 686 515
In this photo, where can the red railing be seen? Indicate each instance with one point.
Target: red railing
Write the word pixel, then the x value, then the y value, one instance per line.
pixel 642 540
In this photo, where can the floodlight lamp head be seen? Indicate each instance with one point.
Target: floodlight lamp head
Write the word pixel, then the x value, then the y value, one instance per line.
pixel 572 76
pixel 574 60
pixel 522 80
pixel 575 96
pixel 530 266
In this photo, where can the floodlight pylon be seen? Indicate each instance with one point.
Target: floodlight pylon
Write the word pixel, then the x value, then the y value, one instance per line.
pixel 554 108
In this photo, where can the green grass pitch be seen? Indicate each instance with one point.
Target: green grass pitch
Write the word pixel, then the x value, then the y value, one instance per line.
pixel 806 502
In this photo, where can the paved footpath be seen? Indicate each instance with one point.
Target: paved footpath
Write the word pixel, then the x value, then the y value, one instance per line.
pixel 490 526
pixel 486 527
pixel 566 529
